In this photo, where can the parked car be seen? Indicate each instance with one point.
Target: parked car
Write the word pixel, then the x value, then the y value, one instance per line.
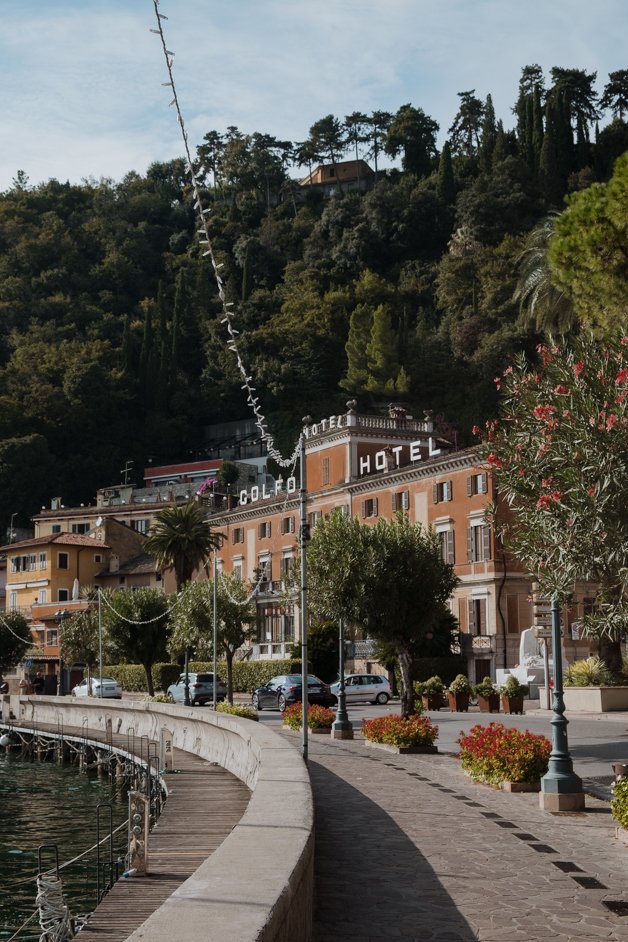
pixel 285 689
pixel 371 687
pixel 110 688
pixel 201 689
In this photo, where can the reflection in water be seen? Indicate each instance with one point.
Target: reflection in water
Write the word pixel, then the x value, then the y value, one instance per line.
pixel 45 803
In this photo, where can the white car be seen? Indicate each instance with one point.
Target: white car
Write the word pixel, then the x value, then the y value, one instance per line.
pixel 371 687
pixel 110 688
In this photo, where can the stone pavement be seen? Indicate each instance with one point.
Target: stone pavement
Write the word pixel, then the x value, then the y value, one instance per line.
pixel 408 848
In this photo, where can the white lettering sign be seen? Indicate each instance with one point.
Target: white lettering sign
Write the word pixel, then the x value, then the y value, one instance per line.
pixel 252 496
pixel 334 421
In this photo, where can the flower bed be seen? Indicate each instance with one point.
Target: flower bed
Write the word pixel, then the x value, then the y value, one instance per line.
pixel 237 709
pixel 404 732
pixel 318 717
pixel 496 754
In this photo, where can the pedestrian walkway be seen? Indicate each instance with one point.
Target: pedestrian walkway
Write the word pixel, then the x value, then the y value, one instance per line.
pixel 407 847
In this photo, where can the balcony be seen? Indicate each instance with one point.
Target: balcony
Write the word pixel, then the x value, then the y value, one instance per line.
pixel 478 644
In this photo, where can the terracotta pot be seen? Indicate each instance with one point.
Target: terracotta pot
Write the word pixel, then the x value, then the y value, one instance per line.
pixel 512 704
pixel 458 702
pixel 432 702
pixel 489 704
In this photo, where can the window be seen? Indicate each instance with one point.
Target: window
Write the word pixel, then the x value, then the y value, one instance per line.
pixel 264 571
pixel 56 528
pixel 63 561
pixel 325 470
pixel 43 560
pixel 477 616
pixel 237 535
pixel 52 636
pixel 478 544
pixel 63 595
pixel 401 501
pixel 287 525
pixel 80 527
pixel 447 546
pixel 477 484
pixel 369 507
pixel 42 596
pixel 24 563
pixel 237 570
pixel 314 517
pixel 263 530
pixel 12 601
pixel 97 558
pixel 286 565
pixel 442 491
pixel 142 526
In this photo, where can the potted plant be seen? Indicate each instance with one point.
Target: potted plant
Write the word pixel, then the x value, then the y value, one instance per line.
pixel 319 718
pixel 512 694
pixel 591 688
pixel 488 697
pixel 458 694
pixel 431 692
pixel 508 758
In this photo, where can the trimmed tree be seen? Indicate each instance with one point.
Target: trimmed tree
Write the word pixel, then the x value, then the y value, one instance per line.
pixel 558 453
pixel 137 625
pixel 15 639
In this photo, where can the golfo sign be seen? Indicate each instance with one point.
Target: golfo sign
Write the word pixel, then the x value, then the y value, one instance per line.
pixel 263 493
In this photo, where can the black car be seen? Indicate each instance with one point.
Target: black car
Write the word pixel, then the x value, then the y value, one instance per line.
pixel 285 689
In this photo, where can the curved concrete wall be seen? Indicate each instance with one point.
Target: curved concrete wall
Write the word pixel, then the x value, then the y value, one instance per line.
pixel 258 884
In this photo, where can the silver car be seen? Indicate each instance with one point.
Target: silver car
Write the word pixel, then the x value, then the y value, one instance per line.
pixel 110 688
pixel 201 688
pixel 370 687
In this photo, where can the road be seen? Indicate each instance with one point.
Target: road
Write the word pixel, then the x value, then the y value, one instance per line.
pixel 594 742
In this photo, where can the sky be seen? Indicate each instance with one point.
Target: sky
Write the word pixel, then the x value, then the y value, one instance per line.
pixel 82 94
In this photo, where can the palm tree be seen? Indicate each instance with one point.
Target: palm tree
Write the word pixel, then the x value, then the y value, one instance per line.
pixel 542 305
pixel 181 540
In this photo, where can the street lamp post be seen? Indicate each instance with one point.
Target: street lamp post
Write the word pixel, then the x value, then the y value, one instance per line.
pixel 100 692
pixel 60 616
pixel 342 727
pixel 304 536
pixel 561 788
pixel 215 626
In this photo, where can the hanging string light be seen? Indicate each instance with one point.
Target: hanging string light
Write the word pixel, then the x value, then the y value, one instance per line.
pixel 208 252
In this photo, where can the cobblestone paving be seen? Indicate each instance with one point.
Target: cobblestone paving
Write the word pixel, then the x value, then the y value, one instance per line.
pixel 408 848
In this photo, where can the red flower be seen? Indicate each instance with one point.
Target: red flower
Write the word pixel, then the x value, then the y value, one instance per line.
pixel 578 367
pixel 495 461
pixel 561 390
pixel 476 430
pixel 622 376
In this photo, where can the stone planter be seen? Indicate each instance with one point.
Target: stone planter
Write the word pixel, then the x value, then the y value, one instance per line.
pixel 458 702
pixel 622 835
pixel 432 702
pixel 595 699
pixel 488 704
pixel 520 786
pixel 403 750
pixel 512 704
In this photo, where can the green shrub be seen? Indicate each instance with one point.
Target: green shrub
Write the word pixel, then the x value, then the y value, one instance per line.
pixel 132 677
pixel 246 712
pixel 431 687
pixel 589 672
pixel 460 684
pixel 318 717
pixel 485 688
pixel 445 667
pixel 248 675
pixel 619 802
pixel 512 688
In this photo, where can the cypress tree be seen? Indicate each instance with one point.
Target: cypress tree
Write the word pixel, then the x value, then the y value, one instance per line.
pixel 551 179
pixel 537 127
pixel 445 185
pixel 489 133
pixel 177 320
pixel 383 361
pixel 147 355
pixel 127 346
pixel 357 374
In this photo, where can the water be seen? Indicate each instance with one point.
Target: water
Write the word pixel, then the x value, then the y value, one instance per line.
pixel 45 803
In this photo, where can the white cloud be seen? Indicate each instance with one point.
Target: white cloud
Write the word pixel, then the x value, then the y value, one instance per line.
pixel 82 93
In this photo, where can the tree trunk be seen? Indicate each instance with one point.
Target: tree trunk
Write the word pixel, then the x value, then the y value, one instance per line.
pixel 405 671
pixel 149 679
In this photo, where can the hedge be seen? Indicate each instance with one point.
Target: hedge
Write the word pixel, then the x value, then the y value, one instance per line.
pixel 247 675
pixel 444 667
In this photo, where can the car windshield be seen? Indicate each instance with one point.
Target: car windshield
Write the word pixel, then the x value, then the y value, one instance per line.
pixel 105 680
pixel 296 679
pixel 206 678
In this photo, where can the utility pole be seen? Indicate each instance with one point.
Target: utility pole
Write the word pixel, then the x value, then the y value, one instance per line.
pixel 304 538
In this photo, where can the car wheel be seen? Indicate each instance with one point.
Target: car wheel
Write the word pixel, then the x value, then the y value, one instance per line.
pixel 256 703
pixel 382 698
pixel 281 702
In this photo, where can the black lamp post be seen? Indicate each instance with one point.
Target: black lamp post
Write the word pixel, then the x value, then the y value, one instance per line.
pixel 561 788
pixel 342 727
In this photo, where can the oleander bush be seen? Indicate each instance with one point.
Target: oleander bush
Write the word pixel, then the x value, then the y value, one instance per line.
pixel 394 730
pixel 496 753
pixel 619 802
pixel 246 712
pixel 318 717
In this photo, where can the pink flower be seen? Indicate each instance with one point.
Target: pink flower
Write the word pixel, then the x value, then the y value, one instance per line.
pixel 495 461
pixel 622 376
pixel 561 390
pixel 611 421
pixel 591 491
pixel 578 367
pixel 476 430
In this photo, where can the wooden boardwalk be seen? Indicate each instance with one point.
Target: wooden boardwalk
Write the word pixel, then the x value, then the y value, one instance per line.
pixel 204 804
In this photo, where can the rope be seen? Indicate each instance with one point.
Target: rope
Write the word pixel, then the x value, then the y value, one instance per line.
pixel 54 915
pixel 23 926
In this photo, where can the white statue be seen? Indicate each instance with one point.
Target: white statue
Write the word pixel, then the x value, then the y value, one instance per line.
pixel 529 649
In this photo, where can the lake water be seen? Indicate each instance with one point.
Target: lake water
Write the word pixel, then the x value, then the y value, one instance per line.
pixel 45 803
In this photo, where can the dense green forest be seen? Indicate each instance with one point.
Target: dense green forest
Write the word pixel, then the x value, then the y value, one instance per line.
pixel 111 343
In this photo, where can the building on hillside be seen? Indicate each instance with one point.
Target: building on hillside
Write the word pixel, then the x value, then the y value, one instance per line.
pixel 47 574
pixel 345 175
pixel 373 467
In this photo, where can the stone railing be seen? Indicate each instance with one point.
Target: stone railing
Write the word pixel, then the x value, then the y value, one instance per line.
pixel 258 884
